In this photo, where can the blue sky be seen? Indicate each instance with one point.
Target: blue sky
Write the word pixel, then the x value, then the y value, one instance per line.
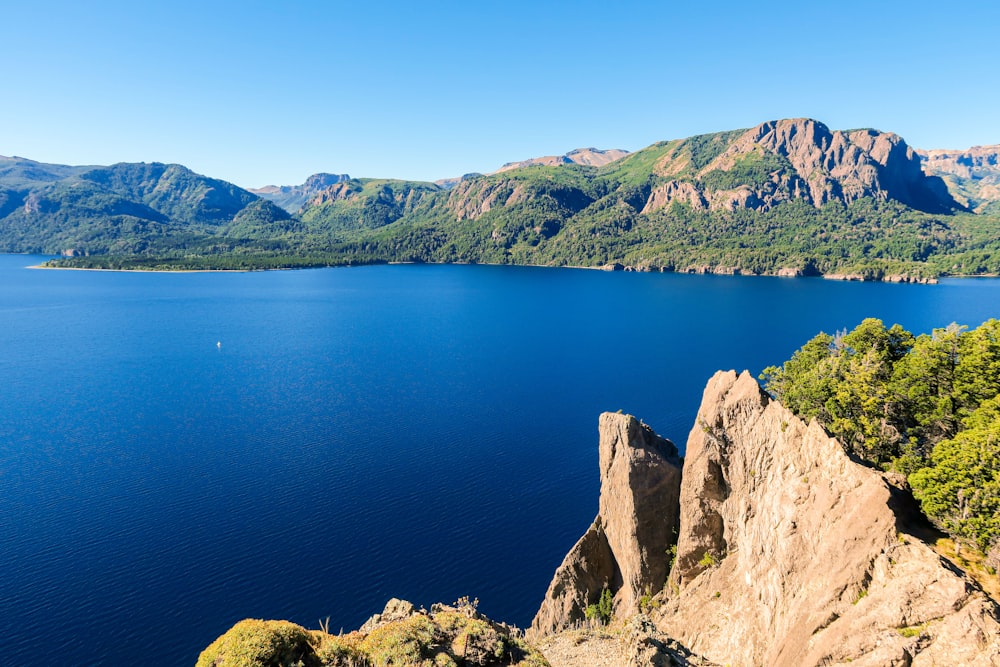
pixel 268 93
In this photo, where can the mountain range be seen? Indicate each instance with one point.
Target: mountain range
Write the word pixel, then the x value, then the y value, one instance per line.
pixel 788 196
pixel 972 176
pixel 292 197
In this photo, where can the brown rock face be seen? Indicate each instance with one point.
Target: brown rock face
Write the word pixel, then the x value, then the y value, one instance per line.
pixel 588 567
pixel 790 553
pixel 679 191
pixel 972 176
pixel 640 483
pixel 821 165
pixel 591 157
pixel 977 161
pixel 626 547
pixel 473 198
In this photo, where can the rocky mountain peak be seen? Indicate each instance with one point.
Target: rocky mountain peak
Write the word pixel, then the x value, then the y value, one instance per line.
pixel 965 163
pixel 972 175
pixel 317 181
pixel 293 197
pixel 595 157
pixel 799 158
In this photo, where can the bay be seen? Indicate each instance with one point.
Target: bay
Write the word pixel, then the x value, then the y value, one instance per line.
pixel 181 451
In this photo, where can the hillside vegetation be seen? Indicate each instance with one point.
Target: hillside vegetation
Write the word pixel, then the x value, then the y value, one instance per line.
pixel 790 197
pixel 447 636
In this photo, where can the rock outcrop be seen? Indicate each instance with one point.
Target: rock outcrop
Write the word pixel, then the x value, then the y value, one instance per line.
pixel 801 556
pixel 293 197
pixel 625 549
pixel 591 157
pixel 974 162
pixel 972 176
pixel 676 191
pixel 790 553
pixel 799 158
pixel 401 635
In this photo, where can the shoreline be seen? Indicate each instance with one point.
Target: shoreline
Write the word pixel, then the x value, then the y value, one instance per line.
pixel 80 268
pixel 610 268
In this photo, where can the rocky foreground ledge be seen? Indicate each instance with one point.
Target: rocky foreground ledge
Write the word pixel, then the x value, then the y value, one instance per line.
pixel 767 545
pixel 445 636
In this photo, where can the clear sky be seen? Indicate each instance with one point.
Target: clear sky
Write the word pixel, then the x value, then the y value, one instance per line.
pixel 269 93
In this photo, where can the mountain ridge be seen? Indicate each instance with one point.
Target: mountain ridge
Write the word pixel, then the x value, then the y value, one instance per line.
pixel 786 197
pixel 588 157
pixel 293 197
pixel 972 175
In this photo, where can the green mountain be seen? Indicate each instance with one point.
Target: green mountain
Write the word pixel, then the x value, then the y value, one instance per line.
pixel 363 204
pixel 175 191
pixel 122 208
pixel 788 197
pixel 20 172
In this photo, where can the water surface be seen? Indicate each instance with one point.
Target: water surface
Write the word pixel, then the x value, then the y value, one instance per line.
pixel 424 432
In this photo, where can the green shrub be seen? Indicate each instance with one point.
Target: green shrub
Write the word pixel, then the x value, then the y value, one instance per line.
pixel 406 642
pixel 256 643
pixel 603 610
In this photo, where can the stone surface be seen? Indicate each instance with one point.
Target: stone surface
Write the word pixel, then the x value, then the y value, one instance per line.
pixel 625 549
pixel 591 157
pixel 643 645
pixel 395 610
pixel 588 567
pixel 972 175
pixel 993 557
pixel 675 191
pixel 581 648
pixel 790 553
pixel 823 165
pixel 640 487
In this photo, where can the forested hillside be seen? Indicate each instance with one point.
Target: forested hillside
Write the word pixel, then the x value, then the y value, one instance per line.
pixel 788 197
pixel 120 209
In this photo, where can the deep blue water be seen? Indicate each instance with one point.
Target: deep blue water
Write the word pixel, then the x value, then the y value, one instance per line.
pixel 424 432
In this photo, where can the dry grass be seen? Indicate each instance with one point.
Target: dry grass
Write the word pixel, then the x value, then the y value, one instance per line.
pixel 972 562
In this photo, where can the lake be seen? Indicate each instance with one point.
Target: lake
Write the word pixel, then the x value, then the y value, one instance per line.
pixel 181 451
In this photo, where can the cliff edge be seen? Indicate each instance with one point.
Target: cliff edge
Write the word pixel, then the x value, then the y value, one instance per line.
pixel 789 552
